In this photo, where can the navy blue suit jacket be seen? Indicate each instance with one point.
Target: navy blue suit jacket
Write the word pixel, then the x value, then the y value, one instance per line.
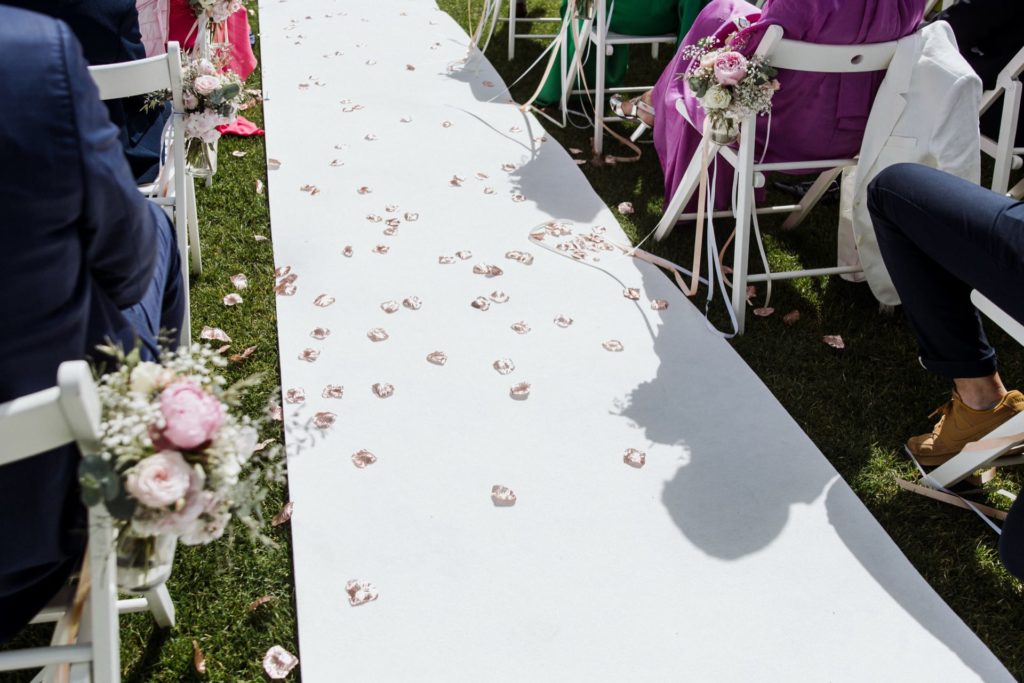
pixel 108 31
pixel 76 246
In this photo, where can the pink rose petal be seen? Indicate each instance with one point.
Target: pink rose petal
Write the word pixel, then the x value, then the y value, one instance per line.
pixel 631 293
pixel 295 395
pixel 260 601
pixel 383 390
pixel 214 333
pixel 626 208
pixel 613 345
pixel 634 458
pixel 333 391
pixel 278 662
pixel 239 357
pixel 323 300
pixel 520 327
pixel 240 281
pixel 659 305
pixel 360 592
pixel 504 366
pixel 324 419
pixel 284 515
pixel 835 341
pixel 520 391
pixel 764 312
pixel 502 496
pixel 437 357
pixel 791 317
pixel 232 299
pixel 363 459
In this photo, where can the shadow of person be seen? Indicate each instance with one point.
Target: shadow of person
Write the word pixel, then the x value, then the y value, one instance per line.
pixel 750 464
pixel 734 495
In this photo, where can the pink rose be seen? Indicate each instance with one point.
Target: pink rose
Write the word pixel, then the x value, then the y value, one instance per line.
pixel 160 480
pixel 204 85
pixel 192 415
pixel 730 68
pixel 206 67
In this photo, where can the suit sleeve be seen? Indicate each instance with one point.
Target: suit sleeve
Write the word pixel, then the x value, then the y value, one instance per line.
pixel 119 225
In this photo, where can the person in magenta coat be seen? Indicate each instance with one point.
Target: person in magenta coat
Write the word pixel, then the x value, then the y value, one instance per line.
pixel 814 116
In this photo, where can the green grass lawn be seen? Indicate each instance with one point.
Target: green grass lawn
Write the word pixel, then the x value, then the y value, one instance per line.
pixel 858 406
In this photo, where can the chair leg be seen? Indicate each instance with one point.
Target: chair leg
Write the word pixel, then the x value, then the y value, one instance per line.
pixel 1007 136
pixel 511 29
pixel 811 199
pixel 161 605
pixel 600 35
pixel 195 254
pixel 684 192
pixel 743 211
pixel 101 626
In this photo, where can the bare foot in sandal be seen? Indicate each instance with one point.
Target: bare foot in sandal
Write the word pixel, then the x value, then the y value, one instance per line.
pixel 638 108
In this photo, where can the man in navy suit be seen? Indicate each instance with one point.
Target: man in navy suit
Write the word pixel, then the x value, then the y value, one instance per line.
pixel 84 258
pixel 108 31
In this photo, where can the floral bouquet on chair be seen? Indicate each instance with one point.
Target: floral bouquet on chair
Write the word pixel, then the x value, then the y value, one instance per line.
pixel 729 86
pixel 212 97
pixel 216 11
pixel 176 459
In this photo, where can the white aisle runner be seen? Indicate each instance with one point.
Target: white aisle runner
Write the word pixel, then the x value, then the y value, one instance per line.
pixel 735 554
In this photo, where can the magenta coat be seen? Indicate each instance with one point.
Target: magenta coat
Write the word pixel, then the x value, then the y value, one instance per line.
pixel 814 116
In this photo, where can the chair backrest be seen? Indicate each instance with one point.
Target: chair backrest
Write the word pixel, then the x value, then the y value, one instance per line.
pixel 68 412
pixel 32 424
pixel 799 56
pixel 142 76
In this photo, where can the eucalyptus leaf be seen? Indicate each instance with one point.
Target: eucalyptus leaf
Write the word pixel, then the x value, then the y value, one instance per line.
pixel 121 506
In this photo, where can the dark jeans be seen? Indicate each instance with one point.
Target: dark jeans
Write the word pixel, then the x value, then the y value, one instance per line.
pixel 163 305
pixel 942 237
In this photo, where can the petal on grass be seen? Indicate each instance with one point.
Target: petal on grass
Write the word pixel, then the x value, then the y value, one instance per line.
pixel 284 515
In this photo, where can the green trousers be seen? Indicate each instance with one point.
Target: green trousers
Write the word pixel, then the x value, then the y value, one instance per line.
pixel 629 17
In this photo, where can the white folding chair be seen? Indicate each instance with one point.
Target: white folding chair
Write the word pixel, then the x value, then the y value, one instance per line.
pixel 1004 150
pixel 129 79
pixel 1001 447
pixel 796 56
pixel 939 6
pixel 602 39
pixel 36 423
pixel 513 21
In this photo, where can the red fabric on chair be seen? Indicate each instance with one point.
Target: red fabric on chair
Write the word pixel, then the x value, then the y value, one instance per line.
pixel 241 127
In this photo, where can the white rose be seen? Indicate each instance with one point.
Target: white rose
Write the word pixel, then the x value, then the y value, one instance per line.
pixel 204 85
pixel 716 97
pixel 160 480
pixel 190 100
pixel 148 377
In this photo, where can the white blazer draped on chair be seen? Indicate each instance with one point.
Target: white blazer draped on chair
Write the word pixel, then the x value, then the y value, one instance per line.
pixel 925 112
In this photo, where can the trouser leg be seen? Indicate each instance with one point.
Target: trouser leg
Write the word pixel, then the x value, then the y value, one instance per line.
pixel 940 237
pixel 162 307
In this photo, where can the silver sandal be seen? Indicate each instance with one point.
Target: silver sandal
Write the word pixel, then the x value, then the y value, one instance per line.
pixel 638 105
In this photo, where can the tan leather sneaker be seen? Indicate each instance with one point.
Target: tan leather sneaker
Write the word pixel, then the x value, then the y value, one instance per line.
pixel 959 425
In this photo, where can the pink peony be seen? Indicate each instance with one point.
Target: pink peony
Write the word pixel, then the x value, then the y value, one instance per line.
pixel 204 85
pixel 192 415
pixel 730 68
pixel 159 480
